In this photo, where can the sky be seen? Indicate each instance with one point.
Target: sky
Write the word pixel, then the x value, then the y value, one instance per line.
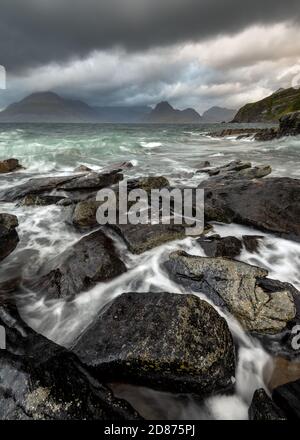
pixel 193 53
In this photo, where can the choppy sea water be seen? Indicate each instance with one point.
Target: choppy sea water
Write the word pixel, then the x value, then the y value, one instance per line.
pixel 175 152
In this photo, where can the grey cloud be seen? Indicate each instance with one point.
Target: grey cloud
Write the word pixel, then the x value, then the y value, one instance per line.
pixel 35 32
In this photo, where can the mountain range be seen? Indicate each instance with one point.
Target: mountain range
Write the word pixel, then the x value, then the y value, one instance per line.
pixel 218 114
pixel 164 113
pixel 50 107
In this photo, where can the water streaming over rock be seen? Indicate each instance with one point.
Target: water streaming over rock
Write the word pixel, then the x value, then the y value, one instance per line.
pixel 172 151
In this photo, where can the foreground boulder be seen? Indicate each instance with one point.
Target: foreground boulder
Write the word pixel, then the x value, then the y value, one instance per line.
pixel 41 381
pixel 287 397
pixel 91 260
pixel 9 165
pixel 263 408
pixel 235 285
pixel 271 204
pixel 8 235
pixel 162 340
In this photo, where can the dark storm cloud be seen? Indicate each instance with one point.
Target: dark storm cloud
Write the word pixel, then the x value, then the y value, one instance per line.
pixel 35 32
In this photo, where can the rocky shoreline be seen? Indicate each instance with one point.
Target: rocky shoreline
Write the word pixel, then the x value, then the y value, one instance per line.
pixel 166 341
pixel 289 125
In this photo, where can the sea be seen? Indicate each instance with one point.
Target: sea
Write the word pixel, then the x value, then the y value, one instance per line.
pixel 176 152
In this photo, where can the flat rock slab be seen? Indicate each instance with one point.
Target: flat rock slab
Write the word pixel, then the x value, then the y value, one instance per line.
pixel 43 381
pixel 80 183
pixel 162 340
pixel 141 238
pixel 92 259
pixel 235 285
pixel 234 166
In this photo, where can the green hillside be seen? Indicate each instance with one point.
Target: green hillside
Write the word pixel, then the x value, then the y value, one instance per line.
pixel 270 109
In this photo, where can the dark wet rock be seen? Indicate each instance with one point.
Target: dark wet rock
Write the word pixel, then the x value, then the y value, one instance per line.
pixel 162 340
pixel 148 183
pixel 216 246
pixel 252 242
pixel 227 177
pixel 256 172
pixel 33 186
pixel 84 214
pixel 91 181
pixel 119 166
pixel 65 201
pixel 9 165
pixel 82 169
pixel 287 397
pixel 8 235
pixel 267 134
pixel 91 260
pixel 271 204
pixel 39 200
pixel 201 165
pixel 235 286
pixel 8 289
pixel 76 183
pixel 140 238
pixel 235 132
pixel 289 124
pixel 235 171
pixel 263 408
pixel 236 165
pixel 40 380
